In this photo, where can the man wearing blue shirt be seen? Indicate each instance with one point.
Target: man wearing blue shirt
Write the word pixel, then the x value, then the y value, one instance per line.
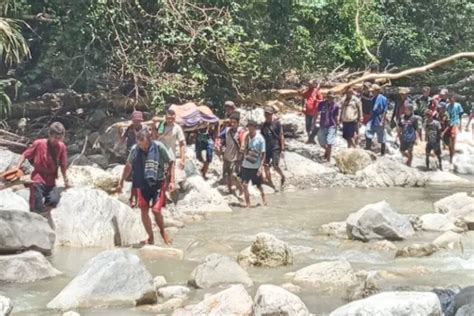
pixel 455 111
pixel 376 124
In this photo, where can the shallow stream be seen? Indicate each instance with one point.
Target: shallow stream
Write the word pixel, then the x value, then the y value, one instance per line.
pixel 295 218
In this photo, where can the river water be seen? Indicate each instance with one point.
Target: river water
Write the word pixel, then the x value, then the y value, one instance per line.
pixel 295 218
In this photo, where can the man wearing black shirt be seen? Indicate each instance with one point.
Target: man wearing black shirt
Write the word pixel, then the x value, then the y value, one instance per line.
pixel 275 146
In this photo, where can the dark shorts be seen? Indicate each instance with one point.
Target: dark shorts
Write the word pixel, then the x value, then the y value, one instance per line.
pixel 272 157
pixel 436 147
pixel 204 146
pixel 230 168
pixel 248 175
pixel 406 146
pixel 152 197
pixel 42 196
pixel 349 129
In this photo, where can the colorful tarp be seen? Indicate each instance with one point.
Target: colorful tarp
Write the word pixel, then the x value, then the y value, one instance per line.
pixel 189 115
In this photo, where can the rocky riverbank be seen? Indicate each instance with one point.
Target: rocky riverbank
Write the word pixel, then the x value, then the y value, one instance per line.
pixel 91 215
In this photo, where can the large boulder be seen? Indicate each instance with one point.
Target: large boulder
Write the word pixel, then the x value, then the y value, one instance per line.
pixel 232 301
pixel 199 198
pixel 266 251
pixel 378 221
pixel 90 218
pixel 11 201
pixel 464 164
pixel 335 229
pixel 6 306
pixel 303 169
pixel 351 160
pixel 274 300
pixel 438 222
pixel 448 240
pixel 328 276
pixel 26 267
pixel 114 277
pixel 9 159
pixel 20 231
pixel 464 298
pixel 394 303
pixel 173 291
pixel 216 270
pixel 454 203
pixel 92 177
pixel 445 177
pixel 390 173
pixel 293 125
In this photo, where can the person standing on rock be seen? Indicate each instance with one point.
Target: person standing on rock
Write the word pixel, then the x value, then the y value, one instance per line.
pixel 328 111
pixel 130 135
pixel 400 106
pixel 311 99
pixel 351 116
pixel 252 165
pixel 151 164
pixel 455 111
pixel 205 140
pixel 433 139
pixel 47 156
pixel 378 116
pixel 407 133
pixel 272 131
pixel 232 148
pixel 170 134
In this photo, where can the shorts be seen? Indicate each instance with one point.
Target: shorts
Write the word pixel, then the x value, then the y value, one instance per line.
pixel 365 118
pixel 152 197
pixel 436 147
pixel 406 146
pixel 208 147
pixel 42 196
pixel 272 157
pixel 229 168
pixel 327 136
pixel 378 131
pixel 247 175
pixel 349 129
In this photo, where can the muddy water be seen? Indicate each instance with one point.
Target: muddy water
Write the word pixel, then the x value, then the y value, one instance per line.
pixel 294 218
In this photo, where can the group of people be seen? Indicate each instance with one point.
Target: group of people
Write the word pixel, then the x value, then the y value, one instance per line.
pixel 157 152
pixel 439 116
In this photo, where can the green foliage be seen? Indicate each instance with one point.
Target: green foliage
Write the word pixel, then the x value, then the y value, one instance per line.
pixel 162 51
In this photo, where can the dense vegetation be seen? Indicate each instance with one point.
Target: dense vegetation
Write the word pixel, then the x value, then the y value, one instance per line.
pixel 167 50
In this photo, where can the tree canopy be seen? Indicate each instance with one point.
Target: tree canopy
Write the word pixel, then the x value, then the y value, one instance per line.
pixel 171 50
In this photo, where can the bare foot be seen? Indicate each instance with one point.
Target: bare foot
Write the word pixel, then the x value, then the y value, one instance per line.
pixel 166 239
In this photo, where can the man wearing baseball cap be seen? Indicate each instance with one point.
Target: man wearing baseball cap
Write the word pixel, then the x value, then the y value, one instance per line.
pixel 376 124
pixel 272 132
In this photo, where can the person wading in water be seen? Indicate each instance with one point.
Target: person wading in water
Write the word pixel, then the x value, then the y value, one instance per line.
pixel 272 131
pixel 150 161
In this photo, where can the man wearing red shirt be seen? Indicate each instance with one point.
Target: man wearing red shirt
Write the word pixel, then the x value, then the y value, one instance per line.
pixel 46 155
pixel 311 98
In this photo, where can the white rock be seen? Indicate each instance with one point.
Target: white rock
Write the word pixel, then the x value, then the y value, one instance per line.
pixel 394 303
pixel 274 300
pixel 383 245
pixel 351 160
pixel 216 270
pixel 266 251
pixel 453 203
pixel 444 177
pixel 10 201
pixel 448 240
pixel 114 277
pixel 438 222
pixel 464 164
pixel 302 167
pixel 20 231
pixel 159 281
pixel 26 267
pixel 417 250
pixel 156 252
pixel 92 177
pixel 389 173
pixel 200 198
pixel 378 221
pixel 6 306
pixel 232 301
pixel 71 313
pixel 291 287
pixel 166 307
pixel 336 229
pixel 173 291
pixel 327 276
pixel 90 218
